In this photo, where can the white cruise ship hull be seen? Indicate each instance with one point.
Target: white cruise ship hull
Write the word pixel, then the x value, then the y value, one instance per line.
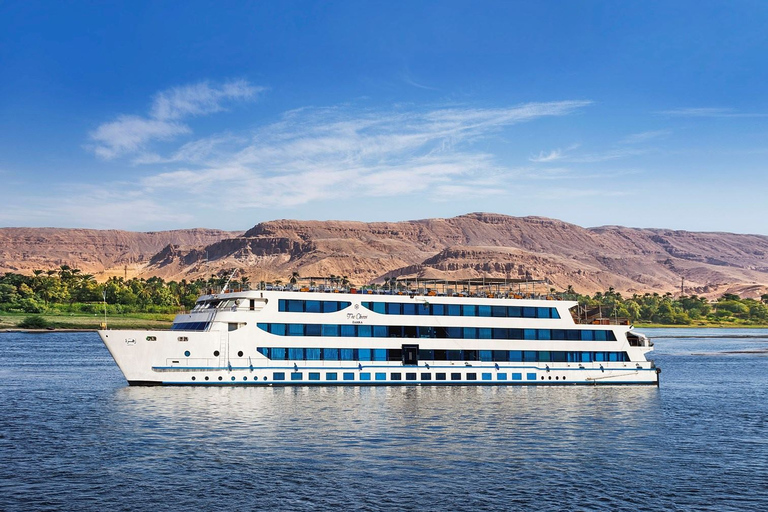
pixel 298 339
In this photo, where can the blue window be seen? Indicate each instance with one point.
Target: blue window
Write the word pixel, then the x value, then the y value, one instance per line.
pixel 439 376
pixel 331 354
pixel 599 356
pixel 426 376
pixel 531 376
pixel 454 332
pixel 483 310
pixel 530 356
pixel 350 376
pixel 422 309
pixel 263 351
pixel 393 308
pixel 498 311
pixel 485 355
pixel 470 333
pixel 543 312
pixel 365 376
pixel 501 376
pixel 313 354
pixel 529 334
pixel 517 376
pixel 332 376
pixel 487 376
pixel 409 308
pixel 296 354
pixel 454 310
pixel 295 306
pixel 514 311
pixel 529 312
pixel 410 376
pixel 364 354
pixel 330 330
pixel 313 306
pixel 364 331
pixel 277 354
pixel 553 312
pixel 544 356
pixel 454 355
pixel 297 376
pixel 599 335
pixel 278 329
pixel 484 333
pixel 295 329
pixel 379 354
pixel 278 376
pixel 516 355
pixel 468 310
pixel 455 376
pixel 314 375
pixel 396 376
pixel 347 330
pixel 314 329
pixel 544 334
pixel 379 307
pixel 263 327
pixel 380 331
pixel 381 376
pixel 500 334
pixel 347 354
pixel 471 376
pixel 586 357
pixel 501 356
pixel 438 309
pixel 587 335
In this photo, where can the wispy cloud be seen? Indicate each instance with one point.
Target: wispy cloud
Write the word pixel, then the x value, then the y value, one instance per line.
pixel 130 134
pixel 313 154
pixel 547 157
pixel 552 156
pixel 709 112
pixel 639 138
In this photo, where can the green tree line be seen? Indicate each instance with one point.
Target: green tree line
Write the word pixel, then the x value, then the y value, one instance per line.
pixel 70 290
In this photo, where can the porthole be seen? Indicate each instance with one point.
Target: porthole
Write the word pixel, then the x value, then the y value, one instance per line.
pixel 233 377
pixel 557 378
pixel 245 378
pixel 550 377
pixel 206 377
pixel 193 377
pixel 215 353
pixel 220 377
pixel 542 377
pixel 186 353
pixel 563 377
pixel 265 377
pixel 240 354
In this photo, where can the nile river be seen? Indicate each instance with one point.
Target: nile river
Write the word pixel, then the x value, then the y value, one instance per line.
pixel 74 436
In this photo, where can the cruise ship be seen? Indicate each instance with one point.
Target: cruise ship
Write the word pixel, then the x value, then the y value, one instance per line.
pixel 307 337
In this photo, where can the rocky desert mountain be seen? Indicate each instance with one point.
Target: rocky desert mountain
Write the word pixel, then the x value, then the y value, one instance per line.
pixel 474 245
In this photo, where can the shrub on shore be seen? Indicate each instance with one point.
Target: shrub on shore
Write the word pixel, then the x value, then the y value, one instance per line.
pixel 34 322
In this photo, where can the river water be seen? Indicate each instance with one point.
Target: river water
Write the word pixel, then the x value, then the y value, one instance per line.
pixel 74 436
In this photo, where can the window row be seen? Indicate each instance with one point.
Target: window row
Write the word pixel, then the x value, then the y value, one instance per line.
pixel 412 331
pixel 413 308
pixel 190 326
pixel 491 356
pixel 398 376
pixel 311 306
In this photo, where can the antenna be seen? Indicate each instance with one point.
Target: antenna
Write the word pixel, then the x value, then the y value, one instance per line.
pixel 223 290
pixel 104 296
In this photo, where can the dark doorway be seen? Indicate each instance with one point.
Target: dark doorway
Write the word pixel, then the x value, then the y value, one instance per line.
pixel 410 355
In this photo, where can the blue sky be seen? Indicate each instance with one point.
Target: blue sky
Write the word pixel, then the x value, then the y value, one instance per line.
pixel 152 115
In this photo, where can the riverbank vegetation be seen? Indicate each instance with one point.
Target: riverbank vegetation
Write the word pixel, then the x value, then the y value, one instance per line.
pixel 68 298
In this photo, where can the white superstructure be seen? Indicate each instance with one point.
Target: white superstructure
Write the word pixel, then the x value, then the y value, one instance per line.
pixel 275 337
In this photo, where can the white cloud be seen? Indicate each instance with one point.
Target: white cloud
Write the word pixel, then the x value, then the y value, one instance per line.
pixel 547 157
pixel 709 112
pixel 639 138
pixel 130 134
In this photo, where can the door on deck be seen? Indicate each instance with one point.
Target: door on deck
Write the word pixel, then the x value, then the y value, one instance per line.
pixel 410 355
